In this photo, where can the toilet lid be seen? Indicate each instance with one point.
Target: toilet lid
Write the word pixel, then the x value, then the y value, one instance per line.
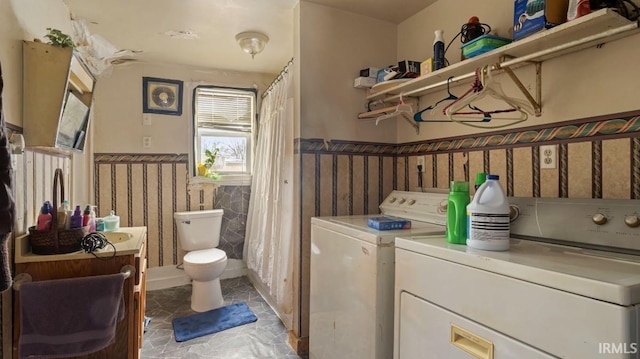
pixel 205 256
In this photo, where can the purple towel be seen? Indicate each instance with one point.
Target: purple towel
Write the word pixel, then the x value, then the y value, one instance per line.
pixel 69 317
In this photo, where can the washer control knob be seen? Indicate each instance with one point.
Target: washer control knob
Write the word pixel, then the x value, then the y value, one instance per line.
pixel 599 219
pixel 392 199
pixel 402 200
pixel 632 220
pixel 411 201
pixel 442 208
pixel 514 212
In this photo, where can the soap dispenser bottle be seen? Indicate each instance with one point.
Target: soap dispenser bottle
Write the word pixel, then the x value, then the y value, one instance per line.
pixel 76 219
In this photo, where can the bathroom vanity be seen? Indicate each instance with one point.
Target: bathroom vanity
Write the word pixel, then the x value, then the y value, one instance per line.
pixel 130 246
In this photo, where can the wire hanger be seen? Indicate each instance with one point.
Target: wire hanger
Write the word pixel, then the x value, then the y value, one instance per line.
pixel 489 87
pixel 418 115
pixel 451 97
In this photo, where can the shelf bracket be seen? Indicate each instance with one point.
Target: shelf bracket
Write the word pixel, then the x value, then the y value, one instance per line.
pixel 535 102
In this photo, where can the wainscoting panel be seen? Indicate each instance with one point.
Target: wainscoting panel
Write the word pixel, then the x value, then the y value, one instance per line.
pixel 357 185
pixel 342 201
pixel 442 170
pixel 579 169
pixel 616 165
pixel 522 172
pixel 372 182
pixel 498 165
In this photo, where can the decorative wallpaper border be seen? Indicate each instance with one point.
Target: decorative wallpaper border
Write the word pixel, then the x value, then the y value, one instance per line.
pixel 140 158
pixel 626 124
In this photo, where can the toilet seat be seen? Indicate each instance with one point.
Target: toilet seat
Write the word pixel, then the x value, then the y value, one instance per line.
pixel 205 256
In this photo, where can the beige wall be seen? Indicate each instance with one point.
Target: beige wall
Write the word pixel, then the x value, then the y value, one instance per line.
pixel 334 46
pixel 118 113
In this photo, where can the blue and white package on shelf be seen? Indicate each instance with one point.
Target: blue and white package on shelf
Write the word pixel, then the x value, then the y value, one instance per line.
pixel 388 223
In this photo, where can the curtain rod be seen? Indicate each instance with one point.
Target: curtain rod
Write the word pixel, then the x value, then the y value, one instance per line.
pixel 278 78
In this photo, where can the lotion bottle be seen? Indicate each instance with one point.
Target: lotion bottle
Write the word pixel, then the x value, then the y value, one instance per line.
pixel 92 220
pixel 76 219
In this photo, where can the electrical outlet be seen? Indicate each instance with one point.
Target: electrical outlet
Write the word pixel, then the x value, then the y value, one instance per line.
pixel 146 142
pixel 548 157
pixel 146 120
pixel 420 161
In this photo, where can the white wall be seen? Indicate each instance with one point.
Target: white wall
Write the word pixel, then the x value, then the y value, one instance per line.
pixel 587 83
pixel 334 46
pixel 118 113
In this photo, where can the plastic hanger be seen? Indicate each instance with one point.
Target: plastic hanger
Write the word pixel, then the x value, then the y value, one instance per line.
pixel 489 87
pixel 402 110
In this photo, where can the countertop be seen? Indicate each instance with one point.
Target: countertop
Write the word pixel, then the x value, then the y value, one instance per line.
pixel 127 241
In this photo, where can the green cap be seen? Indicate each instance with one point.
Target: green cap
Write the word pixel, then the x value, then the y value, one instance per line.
pixel 481 177
pixel 459 186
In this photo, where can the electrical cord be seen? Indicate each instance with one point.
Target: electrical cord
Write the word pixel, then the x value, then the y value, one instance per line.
pixel 469 31
pixel 94 241
pixel 624 10
pixel 420 176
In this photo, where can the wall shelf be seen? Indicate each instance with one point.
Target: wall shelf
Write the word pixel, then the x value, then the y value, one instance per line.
pixel 596 28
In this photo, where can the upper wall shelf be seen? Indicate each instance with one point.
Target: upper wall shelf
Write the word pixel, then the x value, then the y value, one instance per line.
pixel 596 28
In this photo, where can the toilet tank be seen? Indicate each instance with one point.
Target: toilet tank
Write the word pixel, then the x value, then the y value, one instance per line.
pixel 199 229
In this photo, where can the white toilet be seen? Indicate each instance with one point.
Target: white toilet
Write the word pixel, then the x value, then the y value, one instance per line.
pixel 199 233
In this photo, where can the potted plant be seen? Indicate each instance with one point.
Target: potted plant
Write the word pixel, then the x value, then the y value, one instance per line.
pixel 58 38
pixel 206 169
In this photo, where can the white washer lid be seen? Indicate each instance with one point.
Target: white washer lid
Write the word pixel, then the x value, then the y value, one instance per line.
pixel 205 256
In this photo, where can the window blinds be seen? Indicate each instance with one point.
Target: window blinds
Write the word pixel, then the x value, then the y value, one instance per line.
pixel 224 109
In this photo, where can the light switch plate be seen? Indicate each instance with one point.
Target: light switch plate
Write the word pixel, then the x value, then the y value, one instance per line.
pixel 146 142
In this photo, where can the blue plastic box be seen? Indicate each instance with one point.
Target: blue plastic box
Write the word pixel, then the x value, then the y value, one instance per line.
pixel 483 44
pixel 388 223
pixel 530 16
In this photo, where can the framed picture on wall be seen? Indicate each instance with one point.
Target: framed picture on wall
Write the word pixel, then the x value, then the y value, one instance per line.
pixel 161 96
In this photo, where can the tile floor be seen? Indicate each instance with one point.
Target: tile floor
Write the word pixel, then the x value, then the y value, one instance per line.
pixel 265 338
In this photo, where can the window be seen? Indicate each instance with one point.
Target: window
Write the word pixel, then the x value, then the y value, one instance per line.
pixel 224 120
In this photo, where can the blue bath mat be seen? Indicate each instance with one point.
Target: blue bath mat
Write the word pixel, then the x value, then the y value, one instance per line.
pixel 213 321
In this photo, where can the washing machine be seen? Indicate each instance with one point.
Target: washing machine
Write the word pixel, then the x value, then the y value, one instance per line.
pixel 352 276
pixel 568 287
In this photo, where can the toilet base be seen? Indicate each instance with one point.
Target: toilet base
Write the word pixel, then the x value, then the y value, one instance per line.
pixel 206 295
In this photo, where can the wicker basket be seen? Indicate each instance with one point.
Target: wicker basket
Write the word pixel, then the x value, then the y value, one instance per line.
pixel 56 241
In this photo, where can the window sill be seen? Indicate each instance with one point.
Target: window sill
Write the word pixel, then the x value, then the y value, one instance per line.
pixel 225 180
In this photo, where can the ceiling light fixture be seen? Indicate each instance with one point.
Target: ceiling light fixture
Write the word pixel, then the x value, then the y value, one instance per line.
pixel 252 42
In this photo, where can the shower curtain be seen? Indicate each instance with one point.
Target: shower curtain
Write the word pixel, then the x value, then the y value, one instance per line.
pixel 270 220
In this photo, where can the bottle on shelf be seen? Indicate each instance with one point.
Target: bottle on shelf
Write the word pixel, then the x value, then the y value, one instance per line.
pixel 438 50
pixel 76 219
pixel 43 222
